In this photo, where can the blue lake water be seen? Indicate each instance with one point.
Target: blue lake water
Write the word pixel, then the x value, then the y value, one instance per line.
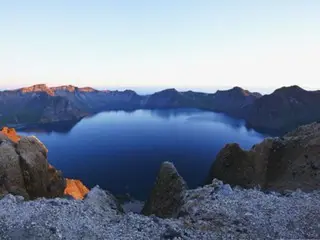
pixel 122 151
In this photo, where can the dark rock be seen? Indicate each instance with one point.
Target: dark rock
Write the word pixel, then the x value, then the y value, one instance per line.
pixel 275 163
pixel 166 196
pixel 283 110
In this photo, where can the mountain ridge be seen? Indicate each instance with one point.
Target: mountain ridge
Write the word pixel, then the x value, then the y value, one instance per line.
pixel 280 111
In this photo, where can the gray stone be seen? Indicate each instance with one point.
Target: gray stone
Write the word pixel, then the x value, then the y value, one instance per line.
pixel 225 189
pixel 167 194
pixel 101 199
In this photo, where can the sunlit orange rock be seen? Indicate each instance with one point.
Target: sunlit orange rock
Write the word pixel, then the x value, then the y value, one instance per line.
pixel 11 134
pixel 76 189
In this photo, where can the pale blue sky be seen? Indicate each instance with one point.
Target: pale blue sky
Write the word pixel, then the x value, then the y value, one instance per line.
pixel 168 43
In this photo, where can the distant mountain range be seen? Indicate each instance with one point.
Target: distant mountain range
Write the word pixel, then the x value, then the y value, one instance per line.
pixel 280 111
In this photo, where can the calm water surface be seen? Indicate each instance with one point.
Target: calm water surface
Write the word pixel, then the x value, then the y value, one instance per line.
pixel 122 151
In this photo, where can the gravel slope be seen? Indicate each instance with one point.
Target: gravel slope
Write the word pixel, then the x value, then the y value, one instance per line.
pixel 213 212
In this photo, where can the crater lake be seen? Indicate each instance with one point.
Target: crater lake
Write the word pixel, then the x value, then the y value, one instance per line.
pixel 122 151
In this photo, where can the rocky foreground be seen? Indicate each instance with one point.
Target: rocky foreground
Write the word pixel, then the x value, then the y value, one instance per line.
pixel 215 211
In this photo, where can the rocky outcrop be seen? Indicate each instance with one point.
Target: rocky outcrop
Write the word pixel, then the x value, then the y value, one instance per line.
pixel 166 197
pixel 290 162
pixel 76 189
pixel 24 169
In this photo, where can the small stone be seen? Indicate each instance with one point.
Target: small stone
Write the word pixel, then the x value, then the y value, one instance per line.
pixel 171 233
pixel 53 230
pixel 225 189
pixel 216 183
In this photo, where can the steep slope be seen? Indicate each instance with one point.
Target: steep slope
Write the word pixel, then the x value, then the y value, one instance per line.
pixel 284 109
pixel 290 162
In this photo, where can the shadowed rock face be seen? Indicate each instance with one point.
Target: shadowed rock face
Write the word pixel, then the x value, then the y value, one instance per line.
pixel 290 162
pixel 167 194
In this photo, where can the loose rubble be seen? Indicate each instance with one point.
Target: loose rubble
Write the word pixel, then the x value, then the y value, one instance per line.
pixel 215 211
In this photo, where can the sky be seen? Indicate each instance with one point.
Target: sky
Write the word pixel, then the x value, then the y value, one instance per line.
pixel 149 44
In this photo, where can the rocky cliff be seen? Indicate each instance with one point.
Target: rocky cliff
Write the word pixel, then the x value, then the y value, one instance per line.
pixel 289 162
pixel 25 171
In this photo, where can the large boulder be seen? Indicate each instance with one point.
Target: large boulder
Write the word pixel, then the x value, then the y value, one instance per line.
pixel 24 168
pixel 290 162
pixel 167 194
